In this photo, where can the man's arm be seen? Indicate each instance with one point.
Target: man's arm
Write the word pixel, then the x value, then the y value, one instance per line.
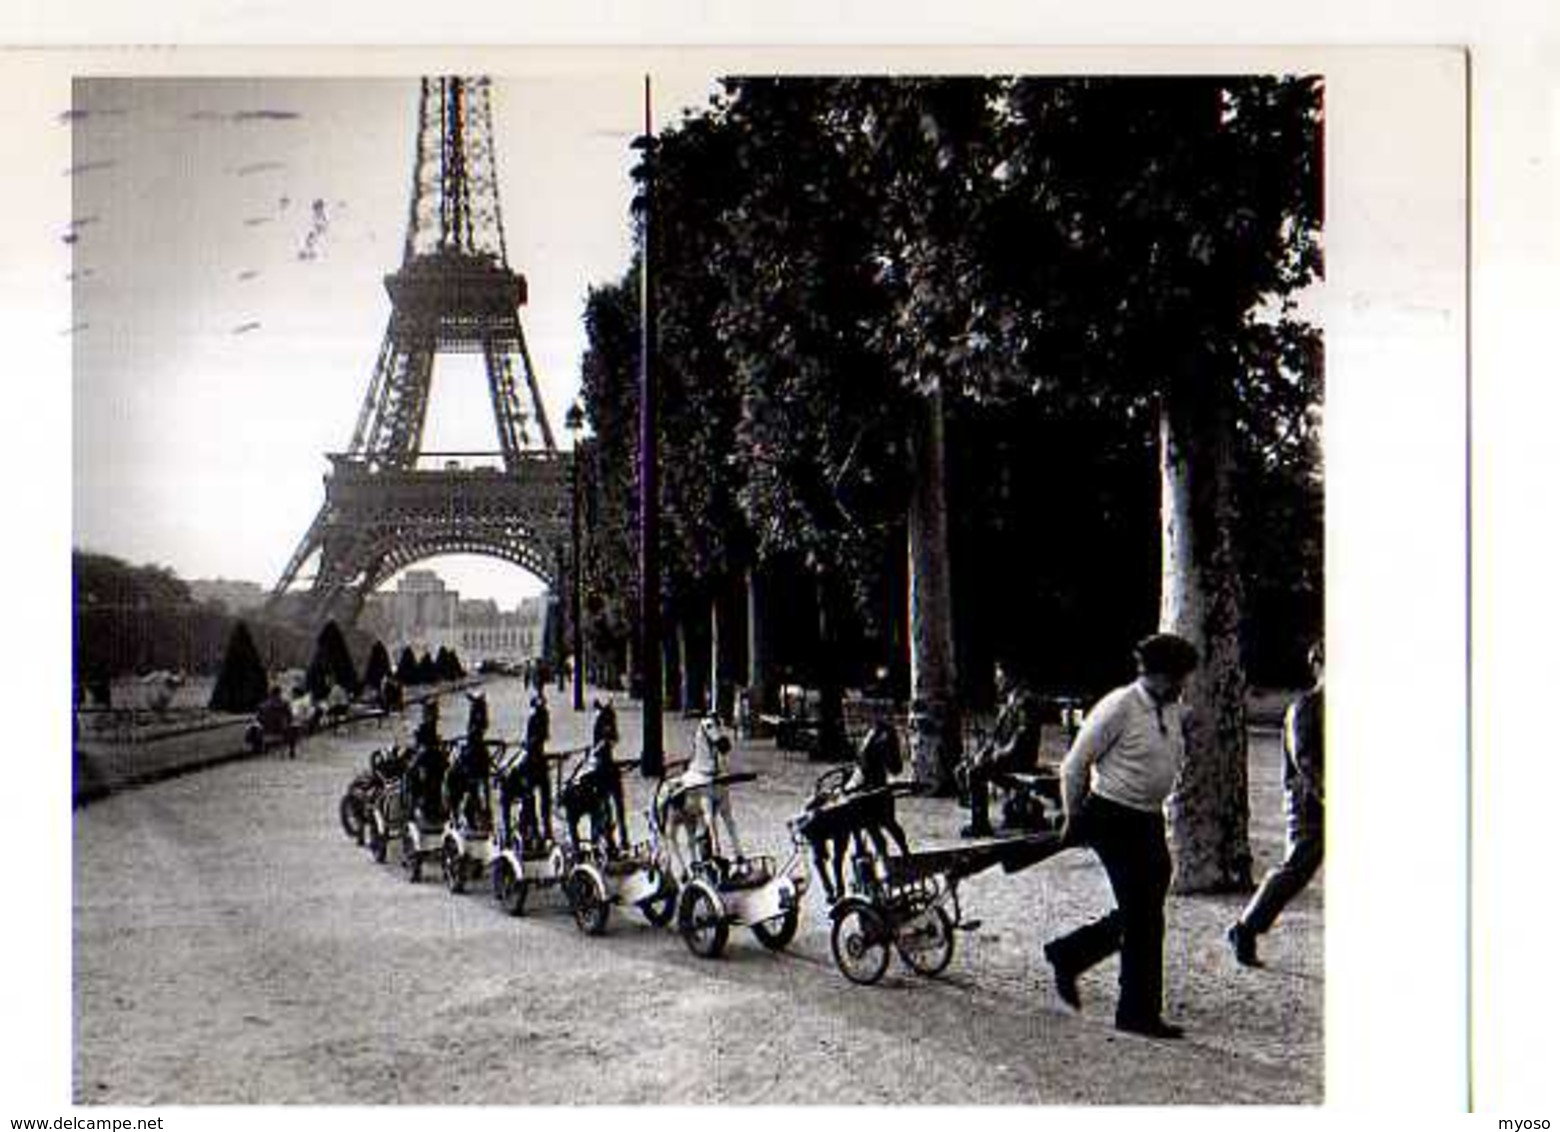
pixel 1303 743
pixel 1100 731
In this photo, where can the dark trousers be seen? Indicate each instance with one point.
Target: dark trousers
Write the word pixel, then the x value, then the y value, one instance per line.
pixel 980 777
pixel 1302 857
pixel 1131 845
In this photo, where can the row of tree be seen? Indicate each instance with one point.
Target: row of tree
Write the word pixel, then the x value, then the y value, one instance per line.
pixel 1017 356
pixel 129 618
pixel 244 679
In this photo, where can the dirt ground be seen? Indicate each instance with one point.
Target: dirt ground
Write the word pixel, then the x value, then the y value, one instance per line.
pixel 232 946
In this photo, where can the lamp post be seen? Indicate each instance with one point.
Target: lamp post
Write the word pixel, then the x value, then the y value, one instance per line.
pixel 574 421
pixel 652 759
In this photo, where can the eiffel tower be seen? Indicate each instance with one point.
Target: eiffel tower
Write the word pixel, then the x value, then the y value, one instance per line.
pixel 455 292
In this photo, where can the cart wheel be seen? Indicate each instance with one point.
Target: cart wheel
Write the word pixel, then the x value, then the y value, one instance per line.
pixel 658 909
pixel 587 900
pixel 776 933
pixel 701 918
pixel 454 867
pixel 509 887
pixel 925 941
pixel 377 844
pixel 860 944
pixel 351 813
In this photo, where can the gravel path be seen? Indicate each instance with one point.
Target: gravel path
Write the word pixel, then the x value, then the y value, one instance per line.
pixel 231 946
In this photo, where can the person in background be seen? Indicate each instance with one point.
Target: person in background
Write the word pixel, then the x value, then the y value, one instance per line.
pixel 1014 747
pixel 274 717
pixel 1115 780
pixel 1303 798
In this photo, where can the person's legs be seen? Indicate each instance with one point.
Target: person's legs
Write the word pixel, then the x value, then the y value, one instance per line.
pixel 979 778
pixel 1138 865
pixel 1283 882
pixel 1131 846
pixel 1078 950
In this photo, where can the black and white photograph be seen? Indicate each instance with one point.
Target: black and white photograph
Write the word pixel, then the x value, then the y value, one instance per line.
pixel 977 704
pixel 763 579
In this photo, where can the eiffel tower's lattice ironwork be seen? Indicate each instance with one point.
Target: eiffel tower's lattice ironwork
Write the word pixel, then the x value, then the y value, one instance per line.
pixel 454 293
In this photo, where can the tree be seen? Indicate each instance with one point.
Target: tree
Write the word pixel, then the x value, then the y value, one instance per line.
pixel 378 666
pixel 1180 242
pixel 407 671
pixel 332 663
pixel 447 665
pixel 241 682
pixel 895 257
pixel 427 669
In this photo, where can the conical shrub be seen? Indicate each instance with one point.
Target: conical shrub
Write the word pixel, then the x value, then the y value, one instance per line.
pixel 241 682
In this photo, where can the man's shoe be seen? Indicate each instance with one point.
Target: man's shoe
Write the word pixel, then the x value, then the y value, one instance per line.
pixel 1066 981
pixel 1243 941
pixel 1150 1028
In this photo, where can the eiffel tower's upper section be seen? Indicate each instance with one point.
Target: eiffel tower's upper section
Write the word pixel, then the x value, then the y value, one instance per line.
pixel 455 209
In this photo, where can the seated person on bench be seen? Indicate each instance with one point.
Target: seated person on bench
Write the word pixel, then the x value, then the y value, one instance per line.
pixel 1014 747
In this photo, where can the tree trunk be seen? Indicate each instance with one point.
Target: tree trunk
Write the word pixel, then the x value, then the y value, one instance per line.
pixel 688 696
pixel 935 731
pixel 758 676
pixel 671 667
pixel 833 746
pixel 714 660
pixel 1200 599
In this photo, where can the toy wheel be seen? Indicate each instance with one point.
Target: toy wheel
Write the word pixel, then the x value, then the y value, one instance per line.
pixel 588 901
pixel 701 918
pixel 775 934
pixel 860 944
pixel 658 909
pixel 351 813
pixel 411 860
pixel 509 888
pixel 378 845
pixel 925 943
pixel 454 868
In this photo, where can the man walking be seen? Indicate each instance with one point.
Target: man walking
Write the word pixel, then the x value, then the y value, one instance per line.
pixel 1115 779
pixel 1303 797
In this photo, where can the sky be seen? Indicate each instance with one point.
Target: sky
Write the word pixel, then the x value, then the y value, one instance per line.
pixel 227 246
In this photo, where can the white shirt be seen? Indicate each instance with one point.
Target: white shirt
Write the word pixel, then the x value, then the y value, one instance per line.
pixel 1130 747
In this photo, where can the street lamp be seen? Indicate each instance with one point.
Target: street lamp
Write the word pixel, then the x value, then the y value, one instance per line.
pixel 574 421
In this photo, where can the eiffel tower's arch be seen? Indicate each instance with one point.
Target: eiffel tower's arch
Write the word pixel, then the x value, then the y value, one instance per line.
pixel 454 293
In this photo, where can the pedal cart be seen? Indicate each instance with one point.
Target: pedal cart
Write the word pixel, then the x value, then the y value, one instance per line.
pixel 421 828
pixel 470 846
pixel 608 869
pixel 718 891
pixel 528 858
pixel 379 799
pixel 906 903
pixel 358 802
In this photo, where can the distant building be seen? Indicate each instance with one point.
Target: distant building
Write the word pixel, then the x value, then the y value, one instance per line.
pixel 426 615
pixel 235 597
